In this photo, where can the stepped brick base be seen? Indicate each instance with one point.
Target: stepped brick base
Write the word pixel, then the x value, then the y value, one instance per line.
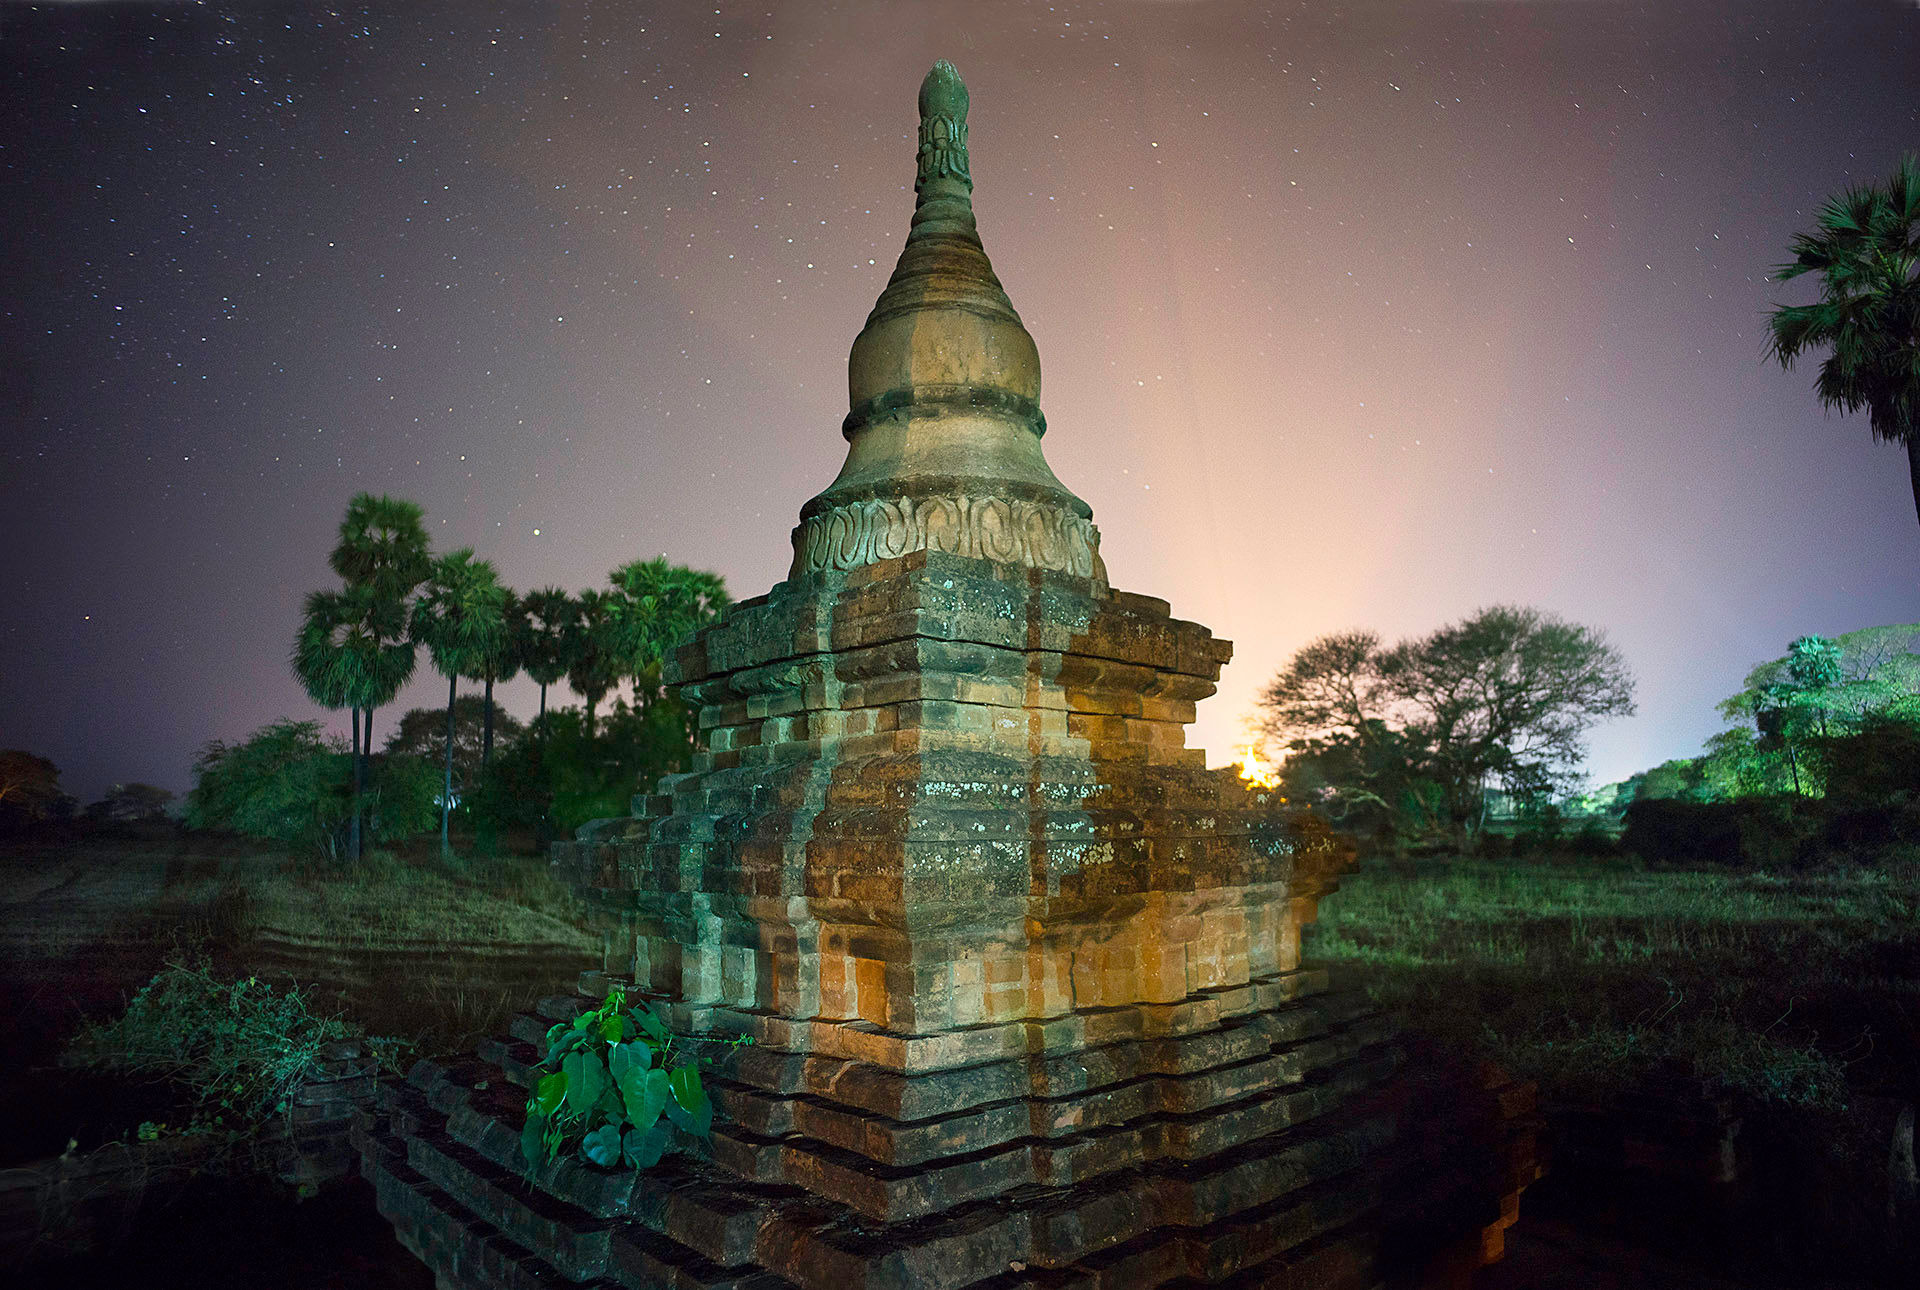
pixel 1023 979
pixel 1340 1170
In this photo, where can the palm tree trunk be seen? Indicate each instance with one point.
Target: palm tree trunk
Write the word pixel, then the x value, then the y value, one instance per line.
pixel 540 722
pixel 1913 469
pixel 359 786
pixel 446 796
pixel 486 726
pixel 366 761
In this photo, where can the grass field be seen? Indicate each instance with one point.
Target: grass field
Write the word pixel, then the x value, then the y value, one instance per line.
pixel 1593 976
pixel 427 948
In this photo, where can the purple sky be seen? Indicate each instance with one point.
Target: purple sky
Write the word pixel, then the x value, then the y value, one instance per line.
pixel 1355 315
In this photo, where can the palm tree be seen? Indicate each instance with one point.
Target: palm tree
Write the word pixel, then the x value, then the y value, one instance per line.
pixel 500 662
pixel 655 607
pixel 383 548
pixel 593 655
pixel 547 619
pixel 352 651
pixel 460 617
pixel 1866 248
pixel 383 542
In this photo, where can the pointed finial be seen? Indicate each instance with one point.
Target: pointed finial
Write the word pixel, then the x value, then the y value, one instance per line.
pixel 943 185
pixel 943 124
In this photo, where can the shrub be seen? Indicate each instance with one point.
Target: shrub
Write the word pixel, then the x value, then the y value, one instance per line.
pixel 239 1050
pixel 1671 830
pixel 29 790
pixel 1875 766
pixel 131 804
pixel 559 777
pixel 289 783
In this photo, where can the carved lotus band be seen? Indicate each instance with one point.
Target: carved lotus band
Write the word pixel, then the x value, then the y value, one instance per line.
pixel 1009 531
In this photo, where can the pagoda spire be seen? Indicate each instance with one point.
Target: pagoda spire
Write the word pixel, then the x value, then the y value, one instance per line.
pixel 943 387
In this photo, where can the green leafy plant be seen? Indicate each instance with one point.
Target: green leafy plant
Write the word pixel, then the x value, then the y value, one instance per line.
pixel 617 1083
pixel 238 1050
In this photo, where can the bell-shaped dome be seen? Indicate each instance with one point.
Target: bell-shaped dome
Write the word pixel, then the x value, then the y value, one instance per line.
pixel 944 385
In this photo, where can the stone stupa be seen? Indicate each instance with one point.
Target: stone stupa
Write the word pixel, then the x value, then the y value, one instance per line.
pixel 1023 976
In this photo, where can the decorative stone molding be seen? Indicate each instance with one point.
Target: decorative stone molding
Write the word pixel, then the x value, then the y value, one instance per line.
pixel 1008 531
pixel 943 148
pixel 943 126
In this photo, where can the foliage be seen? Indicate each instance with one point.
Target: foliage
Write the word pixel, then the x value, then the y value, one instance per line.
pixel 1825 682
pixel 1738 764
pixel 594 665
pixel 131 804
pixel 461 614
pixel 240 1049
pixel 1405 740
pixel 462 617
pixel 616 1083
pixel 501 661
pixel 29 787
pixel 626 632
pixel 382 546
pixel 1829 705
pixel 569 776
pixel 546 625
pixel 421 734
pixel 1865 249
pixel 404 799
pixel 1680 779
pixel 654 607
pixel 352 648
pixel 289 783
pixel 1876 764
pixel 1677 831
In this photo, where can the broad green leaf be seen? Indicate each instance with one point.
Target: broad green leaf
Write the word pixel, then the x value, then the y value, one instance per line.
pixel 691 1109
pixel 648 1092
pixel 548 1092
pixel 602 1146
pixel 643 1148
pixel 650 1025
pixel 560 1047
pixel 624 1058
pixel 533 1141
pixel 586 1081
pixel 612 1028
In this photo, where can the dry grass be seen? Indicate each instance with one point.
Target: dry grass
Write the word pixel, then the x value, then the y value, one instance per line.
pixel 392 904
pixel 1789 989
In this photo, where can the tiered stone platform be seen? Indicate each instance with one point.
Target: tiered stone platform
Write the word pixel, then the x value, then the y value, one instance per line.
pixel 1023 977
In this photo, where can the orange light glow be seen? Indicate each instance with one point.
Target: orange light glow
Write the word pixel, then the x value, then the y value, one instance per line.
pixel 1255 769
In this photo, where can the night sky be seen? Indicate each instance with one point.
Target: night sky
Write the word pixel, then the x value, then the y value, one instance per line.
pixel 1350 315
